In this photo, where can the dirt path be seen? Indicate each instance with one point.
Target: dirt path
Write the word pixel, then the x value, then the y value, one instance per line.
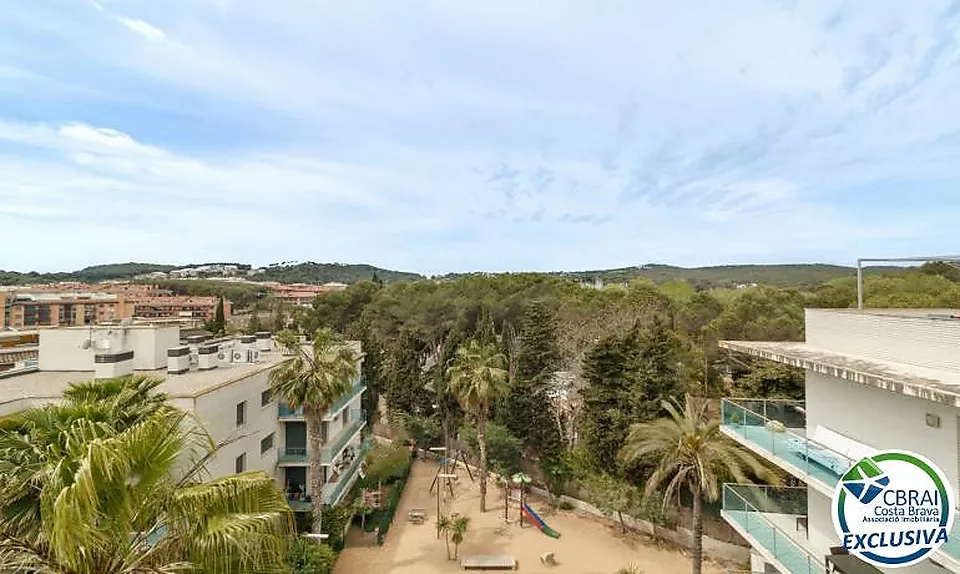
pixel 586 546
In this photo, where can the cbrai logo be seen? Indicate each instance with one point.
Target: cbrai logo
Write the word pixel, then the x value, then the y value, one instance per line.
pixel 893 509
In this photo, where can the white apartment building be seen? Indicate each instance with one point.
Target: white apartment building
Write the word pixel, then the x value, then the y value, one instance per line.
pixel 224 382
pixel 875 380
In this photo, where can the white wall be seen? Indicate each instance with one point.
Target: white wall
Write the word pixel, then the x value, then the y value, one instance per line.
pixel 910 337
pixel 820 529
pixel 60 349
pixel 218 411
pixel 883 419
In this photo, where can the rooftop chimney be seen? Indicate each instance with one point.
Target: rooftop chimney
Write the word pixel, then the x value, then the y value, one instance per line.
pixel 207 357
pixel 178 360
pixel 109 365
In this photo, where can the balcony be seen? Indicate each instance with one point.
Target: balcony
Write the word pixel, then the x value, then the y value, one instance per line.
pixel 776 429
pixel 300 505
pixel 334 491
pixel 330 452
pixel 346 399
pixel 773 520
pixel 297 456
pixel 293 456
pixel 289 414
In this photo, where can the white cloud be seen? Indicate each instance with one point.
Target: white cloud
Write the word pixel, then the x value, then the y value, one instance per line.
pixel 441 136
pixel 144 29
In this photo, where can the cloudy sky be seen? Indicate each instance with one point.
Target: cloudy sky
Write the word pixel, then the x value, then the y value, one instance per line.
pixel 438 135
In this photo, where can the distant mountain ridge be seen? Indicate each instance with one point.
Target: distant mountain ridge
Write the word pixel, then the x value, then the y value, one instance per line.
pixel 801 275
pixel 779 275
pixel 307 272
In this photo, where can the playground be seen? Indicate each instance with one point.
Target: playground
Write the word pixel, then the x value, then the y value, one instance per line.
pixel 584 546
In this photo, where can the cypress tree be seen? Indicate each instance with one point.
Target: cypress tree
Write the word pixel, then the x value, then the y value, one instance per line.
pixel 610 372
pixel 527 410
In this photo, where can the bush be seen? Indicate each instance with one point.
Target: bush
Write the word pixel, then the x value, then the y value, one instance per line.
pixel 386 464
pixel 309 557
pixel 566 505
pixel 393 501
pixel 333 522
pixel 503 448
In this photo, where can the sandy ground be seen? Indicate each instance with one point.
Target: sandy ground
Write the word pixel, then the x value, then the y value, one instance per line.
pixel 586 545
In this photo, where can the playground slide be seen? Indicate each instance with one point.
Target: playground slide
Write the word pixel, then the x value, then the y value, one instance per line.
pixel 535 518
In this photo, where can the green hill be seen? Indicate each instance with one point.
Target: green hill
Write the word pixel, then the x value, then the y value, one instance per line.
pixel 311 272
pixel 798 276
pixel 801 276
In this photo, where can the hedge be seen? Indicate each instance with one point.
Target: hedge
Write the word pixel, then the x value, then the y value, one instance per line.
pixel 386 516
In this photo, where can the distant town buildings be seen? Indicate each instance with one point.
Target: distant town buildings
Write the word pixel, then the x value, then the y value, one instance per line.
pixel 69 305
pixel 302 294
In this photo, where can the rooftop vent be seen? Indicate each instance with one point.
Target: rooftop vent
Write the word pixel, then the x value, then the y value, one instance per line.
pixel 111 365
pixel 207 357
pixel 178 360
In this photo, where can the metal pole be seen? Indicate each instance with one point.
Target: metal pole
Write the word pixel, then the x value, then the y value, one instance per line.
pixel 860 284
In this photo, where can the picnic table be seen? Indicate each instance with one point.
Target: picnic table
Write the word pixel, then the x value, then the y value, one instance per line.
pixel 417 515
pixel 489 562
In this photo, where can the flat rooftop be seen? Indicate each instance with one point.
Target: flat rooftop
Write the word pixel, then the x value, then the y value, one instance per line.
pixel 909 380
pixel 44 385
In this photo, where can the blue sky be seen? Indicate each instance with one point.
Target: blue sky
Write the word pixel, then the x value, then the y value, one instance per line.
pixel 500 135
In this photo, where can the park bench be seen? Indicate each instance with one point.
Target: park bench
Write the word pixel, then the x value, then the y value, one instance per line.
pixel 417 515
pixel 489 562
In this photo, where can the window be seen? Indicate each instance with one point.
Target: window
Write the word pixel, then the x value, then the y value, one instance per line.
pixel 241 413
pixel 266 443
pixel 265 397
pixel 346 416
pixel 241 463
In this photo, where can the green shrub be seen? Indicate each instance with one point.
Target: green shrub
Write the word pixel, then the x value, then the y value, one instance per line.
pixel 310 557
pixel 566 505
pixel 334 521
pixel 393 501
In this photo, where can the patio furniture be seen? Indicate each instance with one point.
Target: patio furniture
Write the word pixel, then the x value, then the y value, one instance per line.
pixel 416 515
pixel 548 559
pixel 489 562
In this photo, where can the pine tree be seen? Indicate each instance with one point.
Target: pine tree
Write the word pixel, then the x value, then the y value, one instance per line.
pixel 527 410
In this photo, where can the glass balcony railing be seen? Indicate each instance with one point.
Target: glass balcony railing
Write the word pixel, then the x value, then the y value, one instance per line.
pixel 330 452
pixel 778 428
pixel 347 398
pixel 768 515
pixel 293 455
pixel 285 412
pixel 333 495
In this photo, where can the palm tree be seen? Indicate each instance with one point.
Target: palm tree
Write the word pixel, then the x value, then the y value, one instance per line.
pixel 458 530
pixel 445 524
pixel 313 378
pixel 692 455
pixel 477 378
pixel 82 497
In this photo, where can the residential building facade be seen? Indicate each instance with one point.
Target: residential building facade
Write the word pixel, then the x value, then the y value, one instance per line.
pixel 224 382
pixel 874 380
pixel 46 309
pixel 42 307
